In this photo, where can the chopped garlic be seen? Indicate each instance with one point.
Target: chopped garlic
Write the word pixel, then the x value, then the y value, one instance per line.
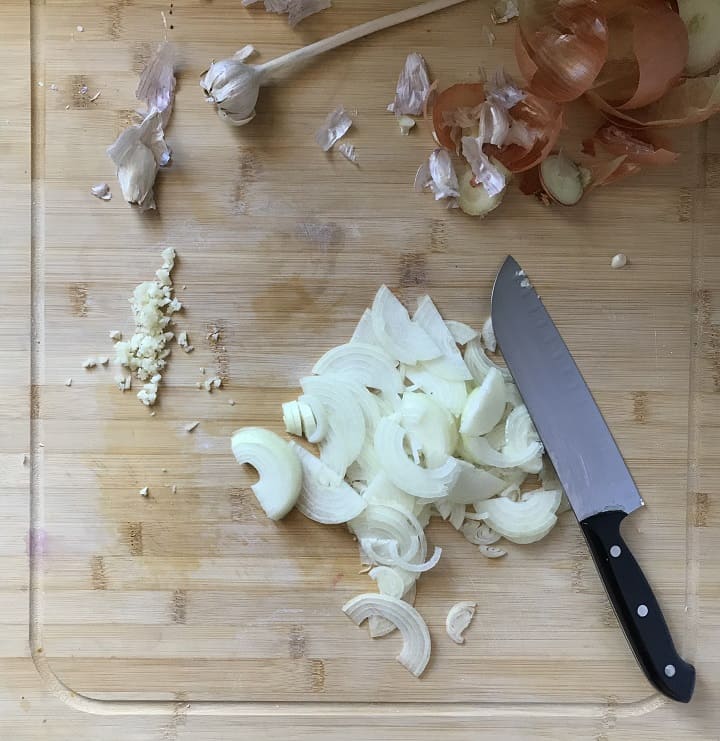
pixel 145 491
pixel 191 426
pixel 182 340
pixel 101 191
pixel 173 489
pixel 89 363
pixel 405 123
pixel 202 370
pixel 103 360
pixel 115 335
pixel 146 352
pixel 124 383
pixel 619 261
pixel 212 383
pixel 198 385
pixel 80 29
pixel 68 382
pixel 231 402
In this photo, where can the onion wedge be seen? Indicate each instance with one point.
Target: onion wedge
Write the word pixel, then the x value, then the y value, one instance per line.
pixel 485 405
pixel 421 482
pixel 481 453
pixel 415 653
pixel 480 364
pixel 451 395
pixel 279 470
pixel 430 424
pixel 364 330
pixel 402 339
pixel 525 521
pixel 474 485
pixel 324 496
pixel 462 333
pixel 450 365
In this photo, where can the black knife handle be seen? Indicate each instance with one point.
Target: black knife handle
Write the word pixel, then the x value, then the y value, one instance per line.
pixel 636 607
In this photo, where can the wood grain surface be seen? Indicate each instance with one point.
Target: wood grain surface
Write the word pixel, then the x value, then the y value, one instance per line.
pixel 188 615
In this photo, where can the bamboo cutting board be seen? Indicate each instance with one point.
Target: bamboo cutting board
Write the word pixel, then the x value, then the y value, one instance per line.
pixel 191 604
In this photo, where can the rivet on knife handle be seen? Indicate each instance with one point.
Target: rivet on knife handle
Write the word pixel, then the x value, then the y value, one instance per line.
pixel 636 607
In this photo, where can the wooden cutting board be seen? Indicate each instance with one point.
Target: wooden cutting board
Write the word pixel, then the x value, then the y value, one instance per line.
pixel 169 609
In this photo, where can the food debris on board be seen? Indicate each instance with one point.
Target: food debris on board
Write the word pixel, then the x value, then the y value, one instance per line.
pixel 409 425
pixel 619 261
pixel 296 10
pixel 458 618
pixel 145 491
pixel 334 127
pixel 141 150
pixel 101 191
pixel 190 427
pixel 145 354
pixel 504 11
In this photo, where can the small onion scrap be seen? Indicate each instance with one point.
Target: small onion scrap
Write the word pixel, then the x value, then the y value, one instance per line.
pixel 458 619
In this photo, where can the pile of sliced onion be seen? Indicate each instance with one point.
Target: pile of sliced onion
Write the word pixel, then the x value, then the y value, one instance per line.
pixel 412 419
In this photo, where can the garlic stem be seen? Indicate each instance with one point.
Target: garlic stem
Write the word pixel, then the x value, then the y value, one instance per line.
pixel 271 68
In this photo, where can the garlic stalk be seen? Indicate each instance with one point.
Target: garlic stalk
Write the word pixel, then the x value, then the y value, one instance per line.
pixel 234 86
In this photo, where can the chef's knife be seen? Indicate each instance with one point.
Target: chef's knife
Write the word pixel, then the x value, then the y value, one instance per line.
pixel 590 467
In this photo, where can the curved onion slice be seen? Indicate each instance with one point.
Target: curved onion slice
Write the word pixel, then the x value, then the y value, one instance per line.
pixel 474 485
pixel 479 451
pixel 415 653
pixel 544 119
pixel 291 418
pixel 462 333
pixel 381 490
pixel 395 559
pixel 480 364
pixel 450 395
pixel 420 482
pixel 462 95
pixel 319 417
pixel 450 365
pixel 397 334
pixel 485 405
pixel 345 420
pixel 363 363
pixel 490 551
pixel 479 533
pixel 392 582
pixel 279 470
pixel 636 146
pixel 383 524
pixel 325 497
pixel 523 522
pixel 568 43
pixel 430 424
pixel 458 619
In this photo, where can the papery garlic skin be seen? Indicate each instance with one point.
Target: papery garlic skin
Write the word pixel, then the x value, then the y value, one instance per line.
pixel 138 153
pixel 234 88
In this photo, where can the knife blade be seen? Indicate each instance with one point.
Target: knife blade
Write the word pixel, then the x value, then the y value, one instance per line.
pixel 590 467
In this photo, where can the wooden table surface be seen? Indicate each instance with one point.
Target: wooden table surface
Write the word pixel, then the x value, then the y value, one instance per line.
pixel 189 615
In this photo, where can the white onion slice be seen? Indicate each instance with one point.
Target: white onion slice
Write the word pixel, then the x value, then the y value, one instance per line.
pixel 520 436
pixel 397 334
pixel 325 497
pixel 462 333
pixel 481 453
pixel 382 524
pixel 480 364
pixel 307 420
pixel 364 330
pixel 453 512
pixel 291 418
pixel 319 417
pixel 479 533
pixel 396 559
pixel 474 485
pixel 458 619
pixel 346 423
pixel 415 652
pixel 523 522
pixel 485 406
pixel 488 335
pixel 431 425
pixel 450 365
pixel 381 490
pixel 362 363
pixel 392 582
pixel 451 395
pixel 420 482
pixel 279 471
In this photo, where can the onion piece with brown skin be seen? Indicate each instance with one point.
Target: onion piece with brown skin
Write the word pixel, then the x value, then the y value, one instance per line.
pixel 462 95
pixel 695 100
pixel 608 171
pixel 640 148
pixel 541 116
pixel 568 44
